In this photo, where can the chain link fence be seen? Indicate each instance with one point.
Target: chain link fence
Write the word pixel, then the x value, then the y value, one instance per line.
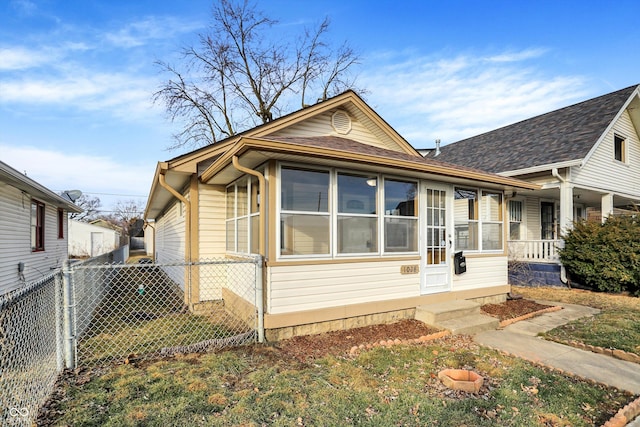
pixel 30 348
pixel 93 313
pixel 138 309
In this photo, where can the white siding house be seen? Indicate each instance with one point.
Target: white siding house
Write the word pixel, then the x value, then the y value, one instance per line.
pixel 353 224
pixel 33 225
pixel 585 157
pixel 89 240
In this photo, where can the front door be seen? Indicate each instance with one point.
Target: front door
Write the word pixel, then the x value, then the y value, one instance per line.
pixel 436 271
pixel 547 223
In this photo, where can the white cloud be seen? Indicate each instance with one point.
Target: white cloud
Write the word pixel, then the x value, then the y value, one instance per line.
pixel 139 33
pixel 426 98
pixel 91 174
pixel 517 56
pixel 20 58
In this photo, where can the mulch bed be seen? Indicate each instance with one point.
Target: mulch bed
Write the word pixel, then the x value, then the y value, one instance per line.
pixel 309 347
pixel 512 308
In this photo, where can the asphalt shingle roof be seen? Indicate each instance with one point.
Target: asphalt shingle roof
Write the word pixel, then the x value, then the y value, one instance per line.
pixel 558 136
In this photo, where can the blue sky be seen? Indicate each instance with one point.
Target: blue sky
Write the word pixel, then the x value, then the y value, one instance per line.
pixel 76 77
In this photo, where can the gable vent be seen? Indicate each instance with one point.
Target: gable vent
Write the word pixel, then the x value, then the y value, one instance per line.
pixel 341 122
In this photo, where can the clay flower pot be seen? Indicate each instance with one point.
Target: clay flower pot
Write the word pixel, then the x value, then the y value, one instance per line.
pixel 461 379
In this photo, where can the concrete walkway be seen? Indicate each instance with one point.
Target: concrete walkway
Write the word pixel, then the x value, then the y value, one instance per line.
pixel 521 340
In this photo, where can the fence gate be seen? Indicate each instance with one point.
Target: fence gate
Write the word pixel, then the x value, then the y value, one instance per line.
pixel 137 309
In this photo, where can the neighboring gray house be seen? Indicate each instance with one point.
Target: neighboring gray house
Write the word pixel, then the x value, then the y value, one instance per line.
pixel 586 157
pixel 33 225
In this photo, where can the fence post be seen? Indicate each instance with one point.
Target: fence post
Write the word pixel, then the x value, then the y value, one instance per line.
pixel 59 321
pixel 68 313
pixel 259 298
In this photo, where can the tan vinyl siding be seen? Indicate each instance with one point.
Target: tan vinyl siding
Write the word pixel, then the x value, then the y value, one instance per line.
pixel 170 239
pixel 603 172
pixel 307 287
pixel 482 272
pixel 211 219
pixel 15 244
pixel 321 126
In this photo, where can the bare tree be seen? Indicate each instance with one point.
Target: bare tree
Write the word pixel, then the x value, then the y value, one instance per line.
pixel 126 213
pixel 241 74
pixel 91 206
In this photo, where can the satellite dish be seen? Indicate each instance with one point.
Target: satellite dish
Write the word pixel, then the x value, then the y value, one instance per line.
pixel 72 195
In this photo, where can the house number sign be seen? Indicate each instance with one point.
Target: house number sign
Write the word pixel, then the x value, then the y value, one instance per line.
pixel 409 269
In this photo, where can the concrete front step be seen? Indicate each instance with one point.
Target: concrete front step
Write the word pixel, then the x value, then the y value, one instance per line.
pixel 471 324
pixel 433 314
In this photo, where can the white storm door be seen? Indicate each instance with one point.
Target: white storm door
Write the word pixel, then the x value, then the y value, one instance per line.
pixel 436 241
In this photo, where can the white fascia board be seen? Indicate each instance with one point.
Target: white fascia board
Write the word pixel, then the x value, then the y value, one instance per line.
pixel 542 168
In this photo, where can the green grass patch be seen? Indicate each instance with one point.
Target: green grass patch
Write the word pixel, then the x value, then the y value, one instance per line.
pixel 254 386
pixel 617 326
pixel 142 312
pixel 614 329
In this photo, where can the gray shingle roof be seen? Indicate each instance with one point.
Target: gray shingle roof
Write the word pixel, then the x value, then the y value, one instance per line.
pixel 558 136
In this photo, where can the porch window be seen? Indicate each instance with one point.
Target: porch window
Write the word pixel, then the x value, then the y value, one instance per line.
pixel 478 220
pixel 619 148
pixel 465 214
pixel 357 214
pixel 304 212
pixel 243 216
pixel 37 226
pixel 491 221
pixel 400 216
pixel 515 219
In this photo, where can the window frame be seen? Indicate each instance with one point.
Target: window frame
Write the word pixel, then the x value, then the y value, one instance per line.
pixel 37 229
pixel 60 223
pixel 520 222
pixel 479 209
pixel 334 213
pixel 251 248
pixel 622 150
pixel 339 214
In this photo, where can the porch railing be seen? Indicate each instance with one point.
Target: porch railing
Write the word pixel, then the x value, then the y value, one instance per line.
pixel 543 251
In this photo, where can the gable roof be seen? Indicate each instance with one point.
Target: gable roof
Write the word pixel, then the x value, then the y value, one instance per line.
pixel 213 164
pixel 563 136
pixel 348 100
pixel 28 185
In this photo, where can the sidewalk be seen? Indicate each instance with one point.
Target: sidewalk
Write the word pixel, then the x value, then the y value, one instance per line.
pixel 521 340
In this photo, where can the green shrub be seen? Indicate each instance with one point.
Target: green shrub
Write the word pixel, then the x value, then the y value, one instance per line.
pixel 605 256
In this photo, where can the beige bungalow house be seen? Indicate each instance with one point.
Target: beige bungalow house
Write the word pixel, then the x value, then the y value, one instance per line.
pixel 353 224
pixel 585 157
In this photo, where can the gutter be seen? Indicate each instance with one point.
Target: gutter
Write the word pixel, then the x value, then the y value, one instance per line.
pixel 187 204
pixel 262 222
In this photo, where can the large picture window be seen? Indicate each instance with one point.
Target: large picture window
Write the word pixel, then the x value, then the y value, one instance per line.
pixel 478 220
pixel 400 216
pixel 304 212
pixel 327 212
pixel 357 214
pixel 37 226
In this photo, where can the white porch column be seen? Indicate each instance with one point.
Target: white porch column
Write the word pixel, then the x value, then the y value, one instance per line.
pixel 606 206
pixel 566 207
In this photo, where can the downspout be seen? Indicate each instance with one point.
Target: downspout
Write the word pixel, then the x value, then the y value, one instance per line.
pixel 147 224
pixel 187 204
pixel 261 244
pixel 563 271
